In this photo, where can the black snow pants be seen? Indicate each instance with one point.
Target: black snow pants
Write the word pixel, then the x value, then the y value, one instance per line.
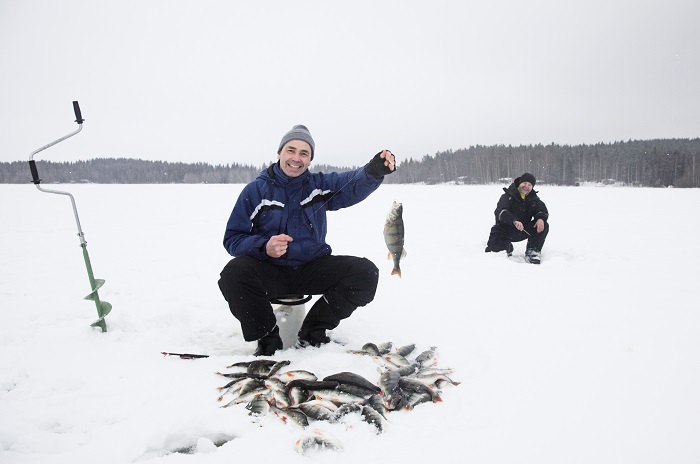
pixel 501 235
pixel 248 284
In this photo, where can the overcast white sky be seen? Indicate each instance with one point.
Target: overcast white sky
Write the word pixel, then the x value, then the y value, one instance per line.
pixel 220 81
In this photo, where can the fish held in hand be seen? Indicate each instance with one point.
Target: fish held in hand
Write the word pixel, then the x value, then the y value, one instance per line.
pixel 394 236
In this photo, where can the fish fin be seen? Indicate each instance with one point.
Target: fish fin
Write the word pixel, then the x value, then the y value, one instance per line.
pixel 388 255
pixel 403 253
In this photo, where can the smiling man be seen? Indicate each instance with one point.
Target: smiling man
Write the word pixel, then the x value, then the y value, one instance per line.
pixel 520 215
pixel 295 155
pixel 277 236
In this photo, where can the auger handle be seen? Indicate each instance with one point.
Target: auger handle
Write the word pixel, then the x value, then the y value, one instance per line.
pixel 35 172
pixel 32 165
pixel 78 117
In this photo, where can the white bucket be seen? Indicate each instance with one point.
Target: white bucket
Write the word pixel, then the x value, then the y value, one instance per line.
pixel 289 320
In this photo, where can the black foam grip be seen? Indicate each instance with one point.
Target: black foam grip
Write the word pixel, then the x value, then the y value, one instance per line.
pixel 78 117
pixel 35 173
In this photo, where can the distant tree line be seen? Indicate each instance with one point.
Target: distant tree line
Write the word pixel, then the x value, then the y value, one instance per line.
pixel 136 171
pixel 655 163
pixel 128 171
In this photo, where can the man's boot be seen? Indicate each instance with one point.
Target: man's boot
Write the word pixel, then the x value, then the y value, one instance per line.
pixel 319 319
pixel 270 343
pixel 532 256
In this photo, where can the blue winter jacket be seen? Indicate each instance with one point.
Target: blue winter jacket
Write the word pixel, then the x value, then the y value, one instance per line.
pixel 275 204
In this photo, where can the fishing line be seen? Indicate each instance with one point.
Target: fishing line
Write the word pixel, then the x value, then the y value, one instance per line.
pixel 316 210
pixel 341 188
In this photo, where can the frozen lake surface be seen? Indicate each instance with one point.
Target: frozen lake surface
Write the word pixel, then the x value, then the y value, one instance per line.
pixel 591 357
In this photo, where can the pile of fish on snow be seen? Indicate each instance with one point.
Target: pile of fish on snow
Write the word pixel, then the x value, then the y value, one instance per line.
pixel 298 396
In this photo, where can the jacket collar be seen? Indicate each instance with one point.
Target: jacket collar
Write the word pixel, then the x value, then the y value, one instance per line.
pixel 280 178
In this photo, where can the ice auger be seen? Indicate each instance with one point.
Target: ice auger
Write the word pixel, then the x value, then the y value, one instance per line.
pixel 103 308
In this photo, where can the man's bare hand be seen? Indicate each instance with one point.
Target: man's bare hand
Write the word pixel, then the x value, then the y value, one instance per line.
pixel 389 160
pixel 277 245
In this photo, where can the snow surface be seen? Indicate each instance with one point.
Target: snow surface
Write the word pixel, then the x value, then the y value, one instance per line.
pixel 591 357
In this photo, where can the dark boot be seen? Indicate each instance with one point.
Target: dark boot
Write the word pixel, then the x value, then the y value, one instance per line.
pixel 509 249
pixel 499 240
pixel 319 319
pixel 270 343
pixel 315 338
pixel 532 256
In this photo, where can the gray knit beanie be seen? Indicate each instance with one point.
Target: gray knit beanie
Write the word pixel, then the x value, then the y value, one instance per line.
pixel 298 132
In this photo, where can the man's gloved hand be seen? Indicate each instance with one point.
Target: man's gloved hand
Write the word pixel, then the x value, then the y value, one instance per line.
pixel 382 164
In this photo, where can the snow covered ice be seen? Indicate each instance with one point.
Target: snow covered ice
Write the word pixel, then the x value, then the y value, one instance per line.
pixel 590 357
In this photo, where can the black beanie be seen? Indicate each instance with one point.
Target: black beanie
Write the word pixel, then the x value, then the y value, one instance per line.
pixel 298 132
pixel 527 177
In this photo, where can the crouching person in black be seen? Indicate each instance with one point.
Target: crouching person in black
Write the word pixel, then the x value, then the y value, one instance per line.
pixel 520 215
pixel 277 236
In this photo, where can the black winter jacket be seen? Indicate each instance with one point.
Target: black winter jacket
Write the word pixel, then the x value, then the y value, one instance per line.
pixel 512 207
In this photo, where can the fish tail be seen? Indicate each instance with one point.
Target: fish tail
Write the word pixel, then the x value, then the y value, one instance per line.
pixel 396 272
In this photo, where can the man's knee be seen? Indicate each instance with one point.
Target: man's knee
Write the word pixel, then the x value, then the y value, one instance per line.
pixel 357 288
pixel 236 272
pixel 368 273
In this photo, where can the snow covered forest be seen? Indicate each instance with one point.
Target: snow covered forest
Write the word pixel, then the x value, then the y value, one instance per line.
pixel 645 163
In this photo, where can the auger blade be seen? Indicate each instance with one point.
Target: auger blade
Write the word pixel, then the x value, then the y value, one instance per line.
pixel 103 308
pixel 92 296
pixel 106 308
